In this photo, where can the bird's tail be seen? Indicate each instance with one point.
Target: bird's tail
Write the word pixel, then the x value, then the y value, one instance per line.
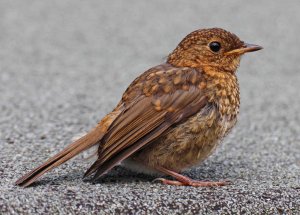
pixel 85 142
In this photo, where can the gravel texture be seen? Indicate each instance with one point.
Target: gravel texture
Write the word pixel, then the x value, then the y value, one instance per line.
pixel 64 65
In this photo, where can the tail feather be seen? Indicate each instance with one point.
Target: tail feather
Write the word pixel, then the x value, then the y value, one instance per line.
pixel 69 152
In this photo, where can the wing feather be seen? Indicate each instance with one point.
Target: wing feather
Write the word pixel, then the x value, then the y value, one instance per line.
pixel 145 118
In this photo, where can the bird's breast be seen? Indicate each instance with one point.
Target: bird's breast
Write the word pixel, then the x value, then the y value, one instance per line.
pixel 222 89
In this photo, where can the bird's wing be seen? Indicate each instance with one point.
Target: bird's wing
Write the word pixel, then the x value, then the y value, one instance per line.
pixel 160 98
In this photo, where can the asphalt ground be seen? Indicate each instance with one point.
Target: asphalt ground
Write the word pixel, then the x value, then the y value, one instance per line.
pixel 64 65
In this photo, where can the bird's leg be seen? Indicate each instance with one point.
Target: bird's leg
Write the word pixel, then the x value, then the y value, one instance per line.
pixel 182 180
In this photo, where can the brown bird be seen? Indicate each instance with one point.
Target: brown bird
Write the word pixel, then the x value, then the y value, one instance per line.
pixel 172 116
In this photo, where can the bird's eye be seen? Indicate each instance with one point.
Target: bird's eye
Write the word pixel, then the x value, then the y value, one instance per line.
pixel 215 46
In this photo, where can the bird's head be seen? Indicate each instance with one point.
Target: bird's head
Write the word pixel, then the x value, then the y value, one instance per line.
pixel 212 47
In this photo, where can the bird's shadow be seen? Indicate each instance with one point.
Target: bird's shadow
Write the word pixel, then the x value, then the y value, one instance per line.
pixel 212 171
pixel 118 175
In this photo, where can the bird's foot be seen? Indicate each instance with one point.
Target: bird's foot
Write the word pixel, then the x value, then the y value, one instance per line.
pixel 182 180
pixel 193 183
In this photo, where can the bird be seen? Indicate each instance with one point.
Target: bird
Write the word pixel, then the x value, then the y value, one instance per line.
pixel 171 117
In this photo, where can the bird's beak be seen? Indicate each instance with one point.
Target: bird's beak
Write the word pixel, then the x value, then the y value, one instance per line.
pixel 245 48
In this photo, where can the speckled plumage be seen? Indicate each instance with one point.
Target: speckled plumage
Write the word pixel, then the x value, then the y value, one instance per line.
pixel 192 141
pixel 172 116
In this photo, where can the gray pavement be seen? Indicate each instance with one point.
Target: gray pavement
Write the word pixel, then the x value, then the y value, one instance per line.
pixel 64 65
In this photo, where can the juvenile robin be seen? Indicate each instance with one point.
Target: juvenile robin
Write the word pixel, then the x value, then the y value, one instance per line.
pixel 171 117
